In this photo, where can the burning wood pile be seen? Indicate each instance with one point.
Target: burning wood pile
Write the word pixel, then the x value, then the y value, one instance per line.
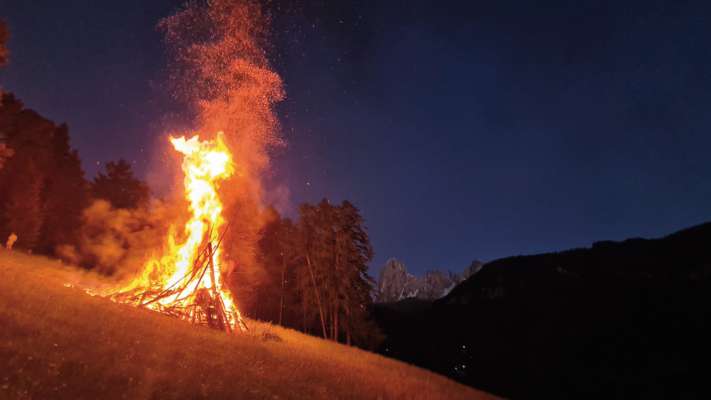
pixel 219 70
pixel 186 281
pixel 188 298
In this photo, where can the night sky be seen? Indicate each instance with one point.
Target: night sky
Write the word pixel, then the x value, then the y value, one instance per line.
pixel 462 130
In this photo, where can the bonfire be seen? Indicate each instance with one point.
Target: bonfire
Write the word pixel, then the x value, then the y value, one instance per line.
pixel 186 280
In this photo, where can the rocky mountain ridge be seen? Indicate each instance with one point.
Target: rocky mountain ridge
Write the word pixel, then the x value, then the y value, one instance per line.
pixel 395 283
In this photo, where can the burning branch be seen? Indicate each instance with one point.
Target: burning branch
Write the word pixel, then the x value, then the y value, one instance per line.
pixel 186 281
pixel 186 298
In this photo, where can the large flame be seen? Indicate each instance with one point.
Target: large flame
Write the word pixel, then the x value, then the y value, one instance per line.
pixel 219 69
pixel 205 164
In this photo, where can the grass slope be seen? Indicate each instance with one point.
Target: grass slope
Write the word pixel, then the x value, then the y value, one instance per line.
pixel 58 342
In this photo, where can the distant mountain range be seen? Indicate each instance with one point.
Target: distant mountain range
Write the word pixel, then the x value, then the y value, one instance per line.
pixel 395 283
pixel 628 319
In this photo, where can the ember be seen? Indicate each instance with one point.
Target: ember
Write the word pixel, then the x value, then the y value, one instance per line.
pixel 220 72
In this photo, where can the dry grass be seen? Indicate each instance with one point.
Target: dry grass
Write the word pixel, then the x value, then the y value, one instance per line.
pixel 56 342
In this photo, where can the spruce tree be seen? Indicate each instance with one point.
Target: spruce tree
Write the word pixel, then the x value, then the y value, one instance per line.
pixel 44 190
pixel 119 186
pixel 65 194
pixel 22 208
pixel 23 175
pixel 277 255
pixel 358 284
pixel 333 277
pixel 4 35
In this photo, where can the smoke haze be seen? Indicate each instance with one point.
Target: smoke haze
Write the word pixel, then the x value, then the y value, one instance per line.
pixel 219 69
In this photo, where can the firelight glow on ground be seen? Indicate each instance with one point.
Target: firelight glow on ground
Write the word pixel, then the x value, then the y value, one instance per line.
pixel 140 354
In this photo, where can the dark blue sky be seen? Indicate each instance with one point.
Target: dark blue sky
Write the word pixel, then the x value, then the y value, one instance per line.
pixel 461 129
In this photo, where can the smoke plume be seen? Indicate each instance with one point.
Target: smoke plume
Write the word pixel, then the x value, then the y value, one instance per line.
pixel 118 242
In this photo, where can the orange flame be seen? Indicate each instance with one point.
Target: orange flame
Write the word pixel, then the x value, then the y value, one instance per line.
pixel 205 164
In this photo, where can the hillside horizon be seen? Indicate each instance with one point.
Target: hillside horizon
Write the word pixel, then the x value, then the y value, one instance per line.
pixel 59 342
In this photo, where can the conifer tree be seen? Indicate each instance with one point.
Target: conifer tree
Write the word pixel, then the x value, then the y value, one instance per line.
pixel 119 186
pixel 22 208
pixel 313 245
pixel 4 35
pixel 334 278
pixel 23 175
pixel 358 252
pixel 44 190
pixel 278 256
pixel 64 196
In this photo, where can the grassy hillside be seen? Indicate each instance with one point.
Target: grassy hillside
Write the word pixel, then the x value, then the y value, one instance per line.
pixel 58 342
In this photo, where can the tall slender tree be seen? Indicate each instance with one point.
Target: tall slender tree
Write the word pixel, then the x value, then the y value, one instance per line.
pixel 64 194
pixel 22 206
pixel 278 256
pixel 318 269
pixel 4 35
pixel 314 245
pixel 5 151
pixel 358 252
pixel 337 251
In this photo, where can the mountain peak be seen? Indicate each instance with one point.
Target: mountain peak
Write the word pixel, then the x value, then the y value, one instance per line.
pixel 395 283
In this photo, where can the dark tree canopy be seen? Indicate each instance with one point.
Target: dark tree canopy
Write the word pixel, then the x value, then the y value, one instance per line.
pixel 43 186
pixel 4 35
pixel 119 186
pixel 5 153
pixel 64 194
pixel 318 273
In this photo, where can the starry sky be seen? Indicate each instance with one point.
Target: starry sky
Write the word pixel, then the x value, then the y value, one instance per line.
pixel 462 129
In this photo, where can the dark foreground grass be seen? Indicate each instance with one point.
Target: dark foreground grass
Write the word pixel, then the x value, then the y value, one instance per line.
pixel 56 342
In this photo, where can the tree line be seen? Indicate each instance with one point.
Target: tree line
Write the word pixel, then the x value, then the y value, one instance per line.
pixel 313 270
pixel 4 35
pixel 312 274
pixel 44 189
pixel 318 273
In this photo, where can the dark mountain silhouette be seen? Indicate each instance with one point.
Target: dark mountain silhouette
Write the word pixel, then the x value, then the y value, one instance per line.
pixel 620 319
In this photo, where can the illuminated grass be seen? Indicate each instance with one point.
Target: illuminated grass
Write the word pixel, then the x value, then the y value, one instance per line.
pixel 57 342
